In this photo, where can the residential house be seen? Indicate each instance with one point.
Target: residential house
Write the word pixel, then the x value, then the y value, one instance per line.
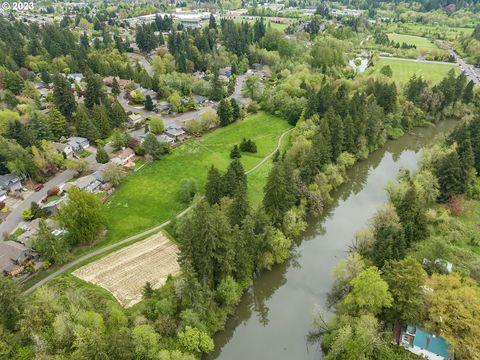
pixel 88 183
pixel 65 149
pixel 224 73
pixel 78 143
pixel 31 228
pixel 422 343
pixel 200 99
pixel 134 119
pixel 165 139
pixel 124 157
pixel 163 106
pixel 13 257
pixel 10 183
pixel 3 195
pixel 77 77
pixel 53 206
pixel 175 131
pixel 121 82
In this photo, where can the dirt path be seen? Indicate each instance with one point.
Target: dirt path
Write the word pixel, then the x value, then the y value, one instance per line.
pixel 142 234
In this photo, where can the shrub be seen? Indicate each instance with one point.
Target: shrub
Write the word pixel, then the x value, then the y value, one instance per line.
pixel 253 107
pixel 188 189
pixel 27 214
pixel 55 190
pixel 248 146
pixel 235 153
pixel 228 291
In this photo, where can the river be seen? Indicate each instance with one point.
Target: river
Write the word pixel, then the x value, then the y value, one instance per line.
pixel 273 318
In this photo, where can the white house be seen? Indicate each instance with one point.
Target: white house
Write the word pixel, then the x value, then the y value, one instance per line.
pixel 134 119
pixel 78 143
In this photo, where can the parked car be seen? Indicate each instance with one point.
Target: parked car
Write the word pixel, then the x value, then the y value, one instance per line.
pixel 39 187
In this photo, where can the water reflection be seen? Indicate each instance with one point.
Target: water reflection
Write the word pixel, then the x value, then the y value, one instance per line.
pixel 282 299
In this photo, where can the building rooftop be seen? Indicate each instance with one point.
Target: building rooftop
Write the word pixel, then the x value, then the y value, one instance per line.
pixel 430 342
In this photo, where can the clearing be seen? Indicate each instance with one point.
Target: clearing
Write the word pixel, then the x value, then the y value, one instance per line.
pixel 125 272
pixel 404 70
pixel 150 196
pixel 420 42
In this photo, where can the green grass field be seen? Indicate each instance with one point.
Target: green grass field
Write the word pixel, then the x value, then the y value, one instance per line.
pixel 404 70
pixel 420 42
pixel 150 196
pixel 273 25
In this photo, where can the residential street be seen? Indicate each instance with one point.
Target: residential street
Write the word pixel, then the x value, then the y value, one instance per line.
pixel 15 217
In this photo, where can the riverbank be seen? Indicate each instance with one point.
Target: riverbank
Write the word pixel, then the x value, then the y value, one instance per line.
pixel 272 311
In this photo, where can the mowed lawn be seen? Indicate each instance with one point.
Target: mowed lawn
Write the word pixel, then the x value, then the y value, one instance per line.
pixel 404 70
pixel 150 196
pixel 420 42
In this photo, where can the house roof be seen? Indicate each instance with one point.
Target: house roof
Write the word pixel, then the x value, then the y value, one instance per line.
pixel 199 98
pixel 8 179
pixel 125 153
pixel 61 147
pixel 76 139
pixel 174 130
pixel 9 252
pixel 134 117
pixel 88 182
pixel 430 342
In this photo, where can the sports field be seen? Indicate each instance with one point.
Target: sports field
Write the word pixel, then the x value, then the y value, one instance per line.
pixel 404 70
pixel 150 196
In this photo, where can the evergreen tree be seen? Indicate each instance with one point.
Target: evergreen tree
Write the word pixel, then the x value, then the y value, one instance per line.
pixel 101 156
pixel 214 187
pixel 57 122
pixel 448 171
pixel 119 116
pixel 115 87
pixel 212 24
pixel 335 126
pixel 474 128
pixel 234 178
pixel 349 135
pixel 278 197
pixel 152 146
pixel 23 134
pixel 216 86
pixel 40 128
pixel 235 153
pixel 63 96
pixel 94 91
pixel 224 112
pixel 239 208
pixel 85 126
pixel 101 120
pixel 468 92
pixel 412 216
pixel 235 109
pixel 148 103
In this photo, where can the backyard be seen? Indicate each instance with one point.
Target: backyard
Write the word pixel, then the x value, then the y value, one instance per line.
pixel 150 196
pixel 403 70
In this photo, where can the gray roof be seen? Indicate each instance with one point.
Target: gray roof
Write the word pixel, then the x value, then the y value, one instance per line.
pixel 200 99
pixel 8 179
pixel 10 251
pixel 174 130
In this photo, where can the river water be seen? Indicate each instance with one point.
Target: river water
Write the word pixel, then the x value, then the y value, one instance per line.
pixel 273 318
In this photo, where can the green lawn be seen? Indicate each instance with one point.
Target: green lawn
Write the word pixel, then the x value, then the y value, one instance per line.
pixel 150 196
pixel 404 70
pixel 420 42
pixel 274 25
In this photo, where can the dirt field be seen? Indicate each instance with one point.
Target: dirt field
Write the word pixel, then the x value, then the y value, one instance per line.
pixel 125 272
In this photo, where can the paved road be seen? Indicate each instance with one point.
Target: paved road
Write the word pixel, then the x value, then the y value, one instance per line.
pixel 144 233
pixel 143 61
pixel 15 217
pixel 469 70
pixel 417 60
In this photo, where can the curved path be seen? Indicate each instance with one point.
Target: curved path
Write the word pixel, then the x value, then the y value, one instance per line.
pixel 144 233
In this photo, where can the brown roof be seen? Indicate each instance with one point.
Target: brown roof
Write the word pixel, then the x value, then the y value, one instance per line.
pixel 123 154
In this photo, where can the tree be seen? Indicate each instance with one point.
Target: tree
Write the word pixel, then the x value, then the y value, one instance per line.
pixel 11 302
pixel 449 174
pixel 234 178
pixel 453 306
pixel 153 147
pixel 212 24
pixel 195 340
pixel 345 271
pixel 101 157
pixel 57 122
pixel 63 96
pixel 224 112
pixel 387 71
pixel 101 120
pixel 82 216
pixel 235 153
pixel 119 116
pixel 405 279
pixel 239 208
pixel 369 294
pixel 114 174
pixel 217 91
pixel 145 341
pixel 147 290
pixel 52 248
pixel 251 88
pixel 468 92
pixel 156 125
pixel 188 189
pixel 209 119
pixel 148 103
pixel 84 124
pixel 115 87
pixel 214 190
pixel 94 92
pixel 80 166
pixel 235 109
pixel 176 101
pixel 119 139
